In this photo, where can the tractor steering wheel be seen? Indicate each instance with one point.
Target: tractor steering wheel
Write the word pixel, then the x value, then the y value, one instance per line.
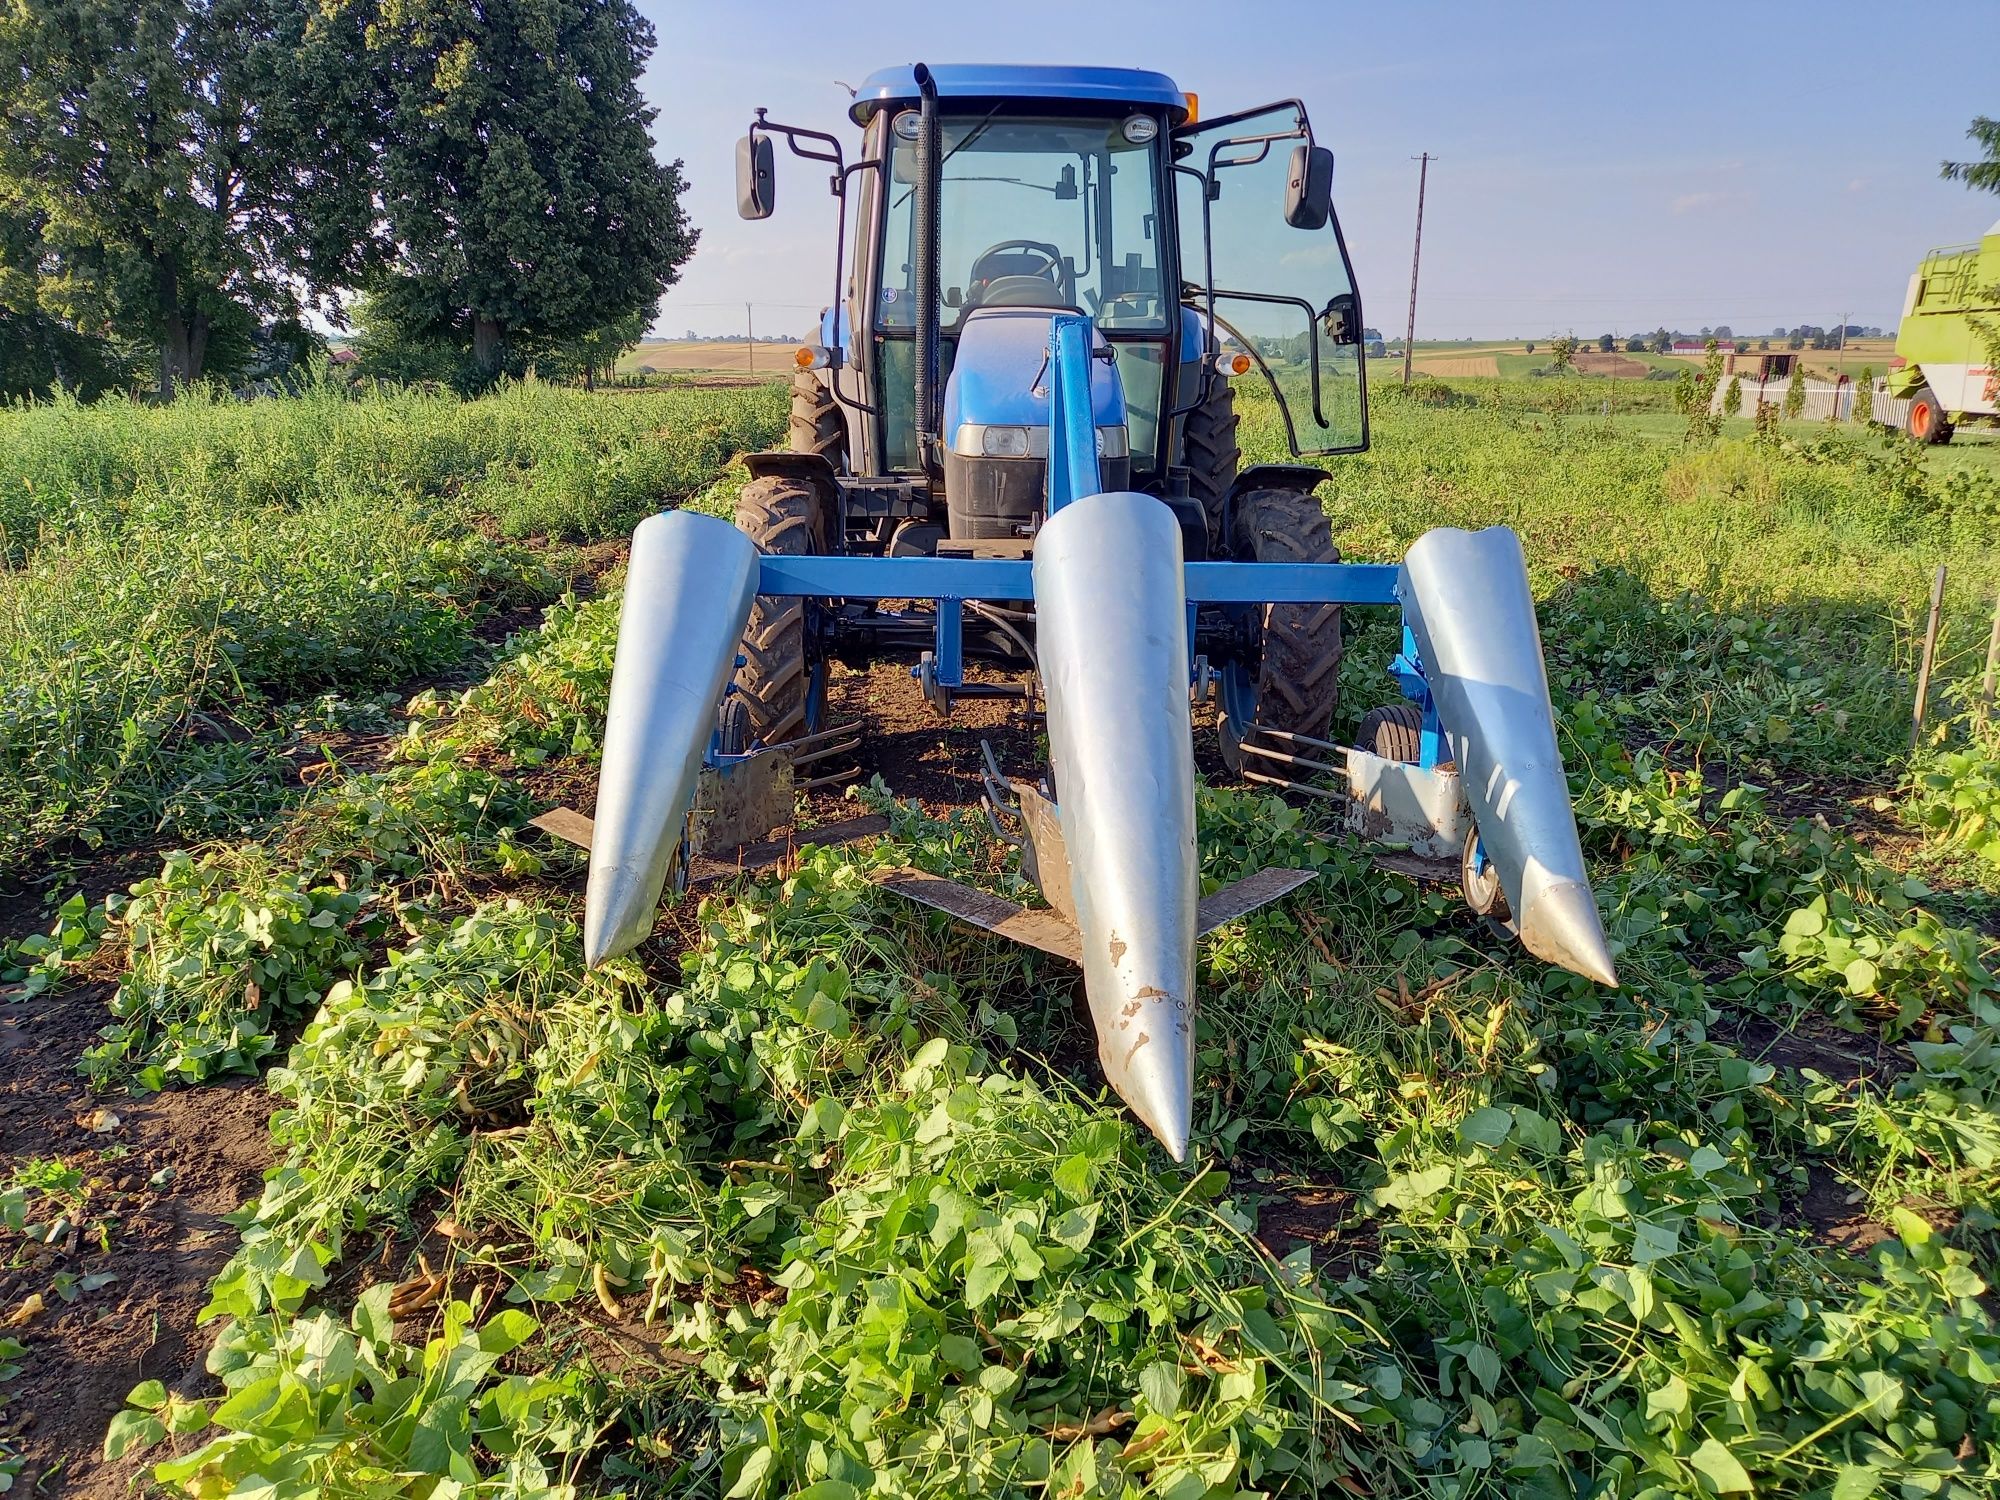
pixel 994 265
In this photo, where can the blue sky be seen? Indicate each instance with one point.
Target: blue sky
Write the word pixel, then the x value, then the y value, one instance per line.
pixel 1602 166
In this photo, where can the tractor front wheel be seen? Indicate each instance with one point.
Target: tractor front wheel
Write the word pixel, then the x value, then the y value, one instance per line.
pixel 1296 684
pixel 1927 419
pixel 1210 451
pixel 783 692
pixel 816 423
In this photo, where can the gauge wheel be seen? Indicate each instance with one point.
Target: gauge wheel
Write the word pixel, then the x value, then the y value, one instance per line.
pixel 1395 732
pixel 1479 880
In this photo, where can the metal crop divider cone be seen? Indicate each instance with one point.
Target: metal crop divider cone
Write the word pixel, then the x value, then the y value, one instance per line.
pixel 1111 619
pixel 1470 608
pixel 688 591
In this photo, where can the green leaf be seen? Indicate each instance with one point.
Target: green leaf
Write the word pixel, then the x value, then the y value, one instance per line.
pixel 1485 1126
pixel 1856 1482
pixel 133 1432
pixel 1413 1188
pixel 1162 1384
pixel 1075 1228
pixel 983 1282
pixel 1720 1468
pixel 1862 977
pixel 1654 1242
pixel 150 1394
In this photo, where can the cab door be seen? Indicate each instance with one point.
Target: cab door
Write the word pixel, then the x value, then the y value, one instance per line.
pixel 1266 268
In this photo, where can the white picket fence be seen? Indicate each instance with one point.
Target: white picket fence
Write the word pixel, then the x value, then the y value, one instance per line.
pixel 1824 398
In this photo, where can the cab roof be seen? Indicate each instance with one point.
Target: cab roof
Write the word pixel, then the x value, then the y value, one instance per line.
pixel 1128 86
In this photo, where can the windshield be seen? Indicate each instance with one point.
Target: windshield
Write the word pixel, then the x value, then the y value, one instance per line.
pixel 1041 212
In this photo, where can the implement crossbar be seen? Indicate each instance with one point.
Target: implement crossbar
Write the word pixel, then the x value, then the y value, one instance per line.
pixel 1005 578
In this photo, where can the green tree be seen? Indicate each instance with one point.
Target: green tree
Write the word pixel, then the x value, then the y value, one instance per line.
pixel 1795 391
pixel 1732 397
pixel 191 166
pixel 1561 352
pixel 523 200
pixel 1663 342
pixel 1983 174
pixel 1607 343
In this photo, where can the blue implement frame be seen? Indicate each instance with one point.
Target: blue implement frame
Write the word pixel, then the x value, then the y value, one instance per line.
pixel 1073 473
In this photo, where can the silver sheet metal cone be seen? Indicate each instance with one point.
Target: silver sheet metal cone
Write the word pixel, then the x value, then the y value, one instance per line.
pixel 1467 599
pixel 1111 626
pixel 688 592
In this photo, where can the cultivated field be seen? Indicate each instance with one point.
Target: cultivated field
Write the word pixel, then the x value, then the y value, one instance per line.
pixel 819 1195
pixel 666 356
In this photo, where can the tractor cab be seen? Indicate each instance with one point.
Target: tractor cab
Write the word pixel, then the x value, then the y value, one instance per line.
pixel 1201 251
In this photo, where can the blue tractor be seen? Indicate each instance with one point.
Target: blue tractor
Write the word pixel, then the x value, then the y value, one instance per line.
pixel 986 202
pixel 1020 416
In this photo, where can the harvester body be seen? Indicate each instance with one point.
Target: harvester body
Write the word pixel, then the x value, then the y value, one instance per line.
pixel 1942 375
pixel 1019 416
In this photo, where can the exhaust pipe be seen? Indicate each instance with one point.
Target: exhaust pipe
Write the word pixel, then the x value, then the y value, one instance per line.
pixel 929 226
pixel 688 592
pixel 1466 598
pixel 1111 617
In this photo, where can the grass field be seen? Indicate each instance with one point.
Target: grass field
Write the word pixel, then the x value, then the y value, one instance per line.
pixel 816 1195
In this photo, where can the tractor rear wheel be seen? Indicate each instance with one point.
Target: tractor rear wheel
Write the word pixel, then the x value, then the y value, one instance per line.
pixel 817 425
pixel 1297 680
pixel 1927 420
pixel 1210 452
pixel 783 692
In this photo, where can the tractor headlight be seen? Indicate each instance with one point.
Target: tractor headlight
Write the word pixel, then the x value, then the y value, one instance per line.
pixel 907 124
pixel 1004 442
pixel 1140 129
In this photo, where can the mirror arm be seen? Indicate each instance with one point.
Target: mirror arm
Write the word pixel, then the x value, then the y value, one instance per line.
pixel 793 134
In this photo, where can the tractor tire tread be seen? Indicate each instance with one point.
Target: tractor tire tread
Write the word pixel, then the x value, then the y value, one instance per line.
pixel 1394 731
pixel 1298 672
pixel 783 516
pixel 816 422
pixel 1211 453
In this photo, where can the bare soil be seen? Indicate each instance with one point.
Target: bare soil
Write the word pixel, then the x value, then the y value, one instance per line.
pixel 158 1182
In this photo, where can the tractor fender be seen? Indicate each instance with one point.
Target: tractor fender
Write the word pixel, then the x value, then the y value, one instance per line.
pixel 809 468
pixel 1302 478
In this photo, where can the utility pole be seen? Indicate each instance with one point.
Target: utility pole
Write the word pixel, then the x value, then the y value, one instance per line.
pixel 1416 259
pixel 750 332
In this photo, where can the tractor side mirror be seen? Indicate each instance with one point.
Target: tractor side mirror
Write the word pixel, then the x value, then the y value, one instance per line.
pixel 1341 321
pixel 756 177
pixel 1309 187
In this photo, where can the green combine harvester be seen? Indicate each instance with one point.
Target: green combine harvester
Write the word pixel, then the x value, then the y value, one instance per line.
pixel 1942 376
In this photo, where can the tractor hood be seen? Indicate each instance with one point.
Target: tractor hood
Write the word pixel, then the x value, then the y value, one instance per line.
pixel 1000 379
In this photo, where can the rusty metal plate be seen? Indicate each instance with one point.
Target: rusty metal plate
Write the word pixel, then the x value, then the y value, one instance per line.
pixel 727 862
pixel 1046 856
pixel 1246 895
pixel 1045 930
pixel 565 823
pixel 741 801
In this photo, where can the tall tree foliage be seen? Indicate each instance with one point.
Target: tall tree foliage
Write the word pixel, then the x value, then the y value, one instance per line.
pixel 1984 173
pixel 188 164
pixel 523 201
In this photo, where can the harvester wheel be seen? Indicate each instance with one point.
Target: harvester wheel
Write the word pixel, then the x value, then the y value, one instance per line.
pixel 784 694
pixel 817 425
pixel 1927 420
pixel 1298 665
pixel 1394 732
pixel 1208 448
